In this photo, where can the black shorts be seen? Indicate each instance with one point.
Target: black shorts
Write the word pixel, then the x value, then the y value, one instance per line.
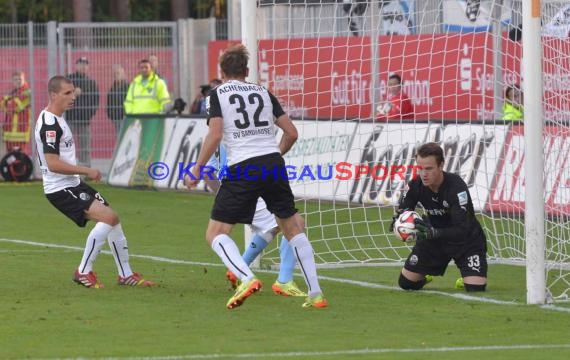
pixel 263 176
pixel 431 257
pixel 74 201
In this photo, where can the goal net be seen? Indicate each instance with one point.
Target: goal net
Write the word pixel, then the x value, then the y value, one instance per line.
pixel 331 62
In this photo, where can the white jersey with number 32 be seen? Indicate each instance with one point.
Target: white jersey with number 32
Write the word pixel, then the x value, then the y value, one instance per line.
pixel 249 112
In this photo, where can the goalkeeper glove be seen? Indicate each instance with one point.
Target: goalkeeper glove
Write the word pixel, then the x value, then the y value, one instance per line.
pixel 425 231
pixel 394 218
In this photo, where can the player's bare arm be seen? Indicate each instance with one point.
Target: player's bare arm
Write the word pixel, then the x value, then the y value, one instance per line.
pixel 211 142
pixel 290 134
pixel 56 165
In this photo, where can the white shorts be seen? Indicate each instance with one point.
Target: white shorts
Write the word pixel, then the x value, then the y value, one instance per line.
pixel 263 221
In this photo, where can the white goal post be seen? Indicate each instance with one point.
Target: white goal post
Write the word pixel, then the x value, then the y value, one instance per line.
pixel 328 61
pixel 534 194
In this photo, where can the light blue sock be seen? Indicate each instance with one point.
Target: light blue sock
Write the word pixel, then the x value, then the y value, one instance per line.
pixel 287 262
pixel 255 248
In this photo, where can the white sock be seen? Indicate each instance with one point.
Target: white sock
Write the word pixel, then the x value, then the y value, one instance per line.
pixel 93 245
pixel 306 260
pixel 228 251
pixel 120 250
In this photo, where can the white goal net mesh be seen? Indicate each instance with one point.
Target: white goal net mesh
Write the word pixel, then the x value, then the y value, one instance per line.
pixel 331 62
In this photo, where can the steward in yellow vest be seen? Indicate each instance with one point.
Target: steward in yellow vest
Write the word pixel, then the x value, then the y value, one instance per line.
pixel 513 108
pixel 147 93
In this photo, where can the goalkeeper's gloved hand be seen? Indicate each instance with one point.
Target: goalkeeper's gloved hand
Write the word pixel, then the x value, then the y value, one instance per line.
pixel 394 218
pixel 425 231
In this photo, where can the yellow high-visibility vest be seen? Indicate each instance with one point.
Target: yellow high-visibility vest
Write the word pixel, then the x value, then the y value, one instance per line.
pixel 511 112
pixel 149 97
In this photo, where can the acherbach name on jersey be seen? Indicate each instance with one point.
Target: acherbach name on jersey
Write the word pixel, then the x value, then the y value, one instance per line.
pixel 251 132
pixel 230 87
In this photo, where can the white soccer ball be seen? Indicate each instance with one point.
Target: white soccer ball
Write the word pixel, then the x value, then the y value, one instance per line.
pixel 404 226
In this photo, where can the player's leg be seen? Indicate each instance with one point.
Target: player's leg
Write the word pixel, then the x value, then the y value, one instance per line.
pixel 473 268
pixel 410 280
pixel 76 203
pixel 304 253
pixel 287 264
pixel 258 242
pixel 218 237
pixel 281 202
pixel 235 203
pixel 425 261
pixel 287 256
pixel 120 250
pixel 260 238
pixel 263 229
pixel 102 213
pixel 285 285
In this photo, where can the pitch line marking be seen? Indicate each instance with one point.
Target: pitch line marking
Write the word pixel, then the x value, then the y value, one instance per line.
pixel 365 284
pixel 345 352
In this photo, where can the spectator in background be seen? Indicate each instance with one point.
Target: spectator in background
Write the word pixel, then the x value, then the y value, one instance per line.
pixel 16 106
pixel 116 97
pixel 86 105
pixel 199 103
pixel 398 106
pixel 513 107
pixel 147 93
pixel 153 59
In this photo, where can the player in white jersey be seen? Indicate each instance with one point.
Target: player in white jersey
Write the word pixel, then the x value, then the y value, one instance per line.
pixel 242 117
pixel 74 198
pixel 264 228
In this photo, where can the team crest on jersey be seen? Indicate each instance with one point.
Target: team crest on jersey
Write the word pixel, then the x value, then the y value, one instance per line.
pixel 84 196
pixel 462 197
pixel 50 138
pixel 414 260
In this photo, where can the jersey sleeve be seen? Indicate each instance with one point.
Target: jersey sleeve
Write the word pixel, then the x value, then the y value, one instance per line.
pixel 213 108
pixel 50 135
pixel 277 108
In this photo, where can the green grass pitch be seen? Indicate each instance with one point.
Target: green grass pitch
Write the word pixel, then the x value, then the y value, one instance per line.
pixel 43 314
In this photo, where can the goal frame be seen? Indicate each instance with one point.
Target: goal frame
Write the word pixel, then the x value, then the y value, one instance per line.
pixel 534 214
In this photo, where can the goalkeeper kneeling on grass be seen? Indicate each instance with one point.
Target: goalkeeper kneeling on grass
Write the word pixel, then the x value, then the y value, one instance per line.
pixel 450 229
